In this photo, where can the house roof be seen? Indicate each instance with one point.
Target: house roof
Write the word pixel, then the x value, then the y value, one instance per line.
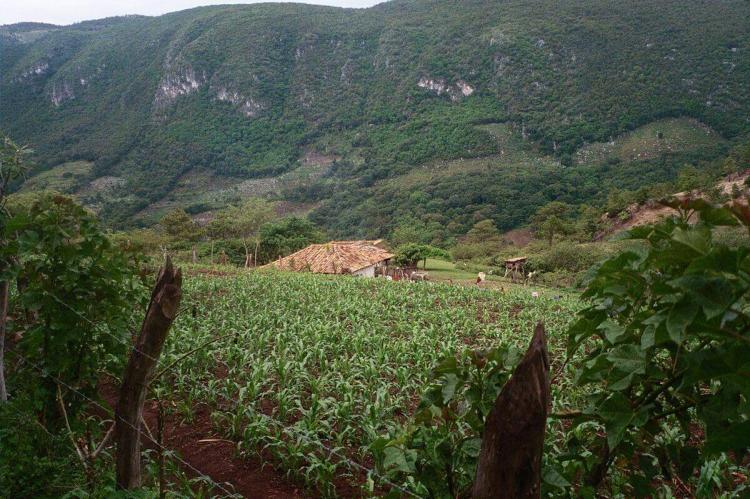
pixel 364 242
pixel 335 257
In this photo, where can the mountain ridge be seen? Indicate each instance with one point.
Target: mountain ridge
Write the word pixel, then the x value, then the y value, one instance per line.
pixel 243 91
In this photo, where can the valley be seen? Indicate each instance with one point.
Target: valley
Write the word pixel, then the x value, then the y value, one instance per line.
pixel 424 248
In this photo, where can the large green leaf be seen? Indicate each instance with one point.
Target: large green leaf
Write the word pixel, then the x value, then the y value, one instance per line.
pixel 648 338
pixel 679 318
pixel 617 415
pixel 583 328
pixel 713 294
pixel 628 359
pixel 447 365
pixel 552 477
pixel 451 381
pixel 620 380
pixel 735 437
pixel 612 330
pixel 696 238
pixel 593 370
pixel 396 459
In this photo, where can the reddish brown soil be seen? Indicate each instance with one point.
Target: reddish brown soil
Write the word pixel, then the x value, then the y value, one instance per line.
pixel 653 212
pixel 198 445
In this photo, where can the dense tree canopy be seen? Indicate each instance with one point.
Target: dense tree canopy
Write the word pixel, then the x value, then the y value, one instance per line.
pixel 230 93
pixel 551 220
pixel 287 236
pixel 178 225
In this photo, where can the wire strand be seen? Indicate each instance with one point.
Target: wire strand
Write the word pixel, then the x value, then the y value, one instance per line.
pixel 46 373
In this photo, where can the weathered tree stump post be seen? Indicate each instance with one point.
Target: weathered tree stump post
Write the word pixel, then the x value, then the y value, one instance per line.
pixel 165 300
pixel 510 462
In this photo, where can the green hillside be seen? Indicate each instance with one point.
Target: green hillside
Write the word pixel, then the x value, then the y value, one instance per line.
pixel 535 89
pixel 64 178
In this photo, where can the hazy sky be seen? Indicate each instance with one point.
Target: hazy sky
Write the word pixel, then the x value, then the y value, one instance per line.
pixel 71 11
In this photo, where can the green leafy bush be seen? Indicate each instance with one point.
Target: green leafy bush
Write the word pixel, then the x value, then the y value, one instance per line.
pixel 666 344
pixel 566 256
pixel 437 454
pixel 473 251
pixel 77 293
pixel 33 461
pixel 411 254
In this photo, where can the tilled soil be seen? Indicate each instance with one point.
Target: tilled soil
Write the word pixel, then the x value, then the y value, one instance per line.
pixel 198 445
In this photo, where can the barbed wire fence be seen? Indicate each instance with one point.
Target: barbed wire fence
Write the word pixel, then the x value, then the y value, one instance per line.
pixel 46 374
pixel 331 452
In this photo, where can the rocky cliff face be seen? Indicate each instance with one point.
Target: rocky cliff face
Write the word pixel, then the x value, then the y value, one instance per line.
pixel 181 82
pixel 440 87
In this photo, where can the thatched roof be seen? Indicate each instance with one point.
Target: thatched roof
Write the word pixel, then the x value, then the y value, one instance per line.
pixel 335 257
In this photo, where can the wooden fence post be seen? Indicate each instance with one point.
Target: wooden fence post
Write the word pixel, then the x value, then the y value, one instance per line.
pixel 165 300
pixel 510 462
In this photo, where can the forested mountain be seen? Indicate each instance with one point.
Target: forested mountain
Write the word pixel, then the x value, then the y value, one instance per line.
pixel 364 116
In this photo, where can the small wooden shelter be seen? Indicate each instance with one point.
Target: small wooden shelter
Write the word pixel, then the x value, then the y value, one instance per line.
pixel 516 268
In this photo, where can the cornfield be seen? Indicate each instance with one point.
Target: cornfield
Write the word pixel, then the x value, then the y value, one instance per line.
pixel 309 370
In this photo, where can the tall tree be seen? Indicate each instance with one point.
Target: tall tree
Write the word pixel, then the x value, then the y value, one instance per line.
pixel 13 165
pixel 483 231
pixel 243 222
pixel 589 222
pixel 287 236
pixel 179 226
pixel 410 230
pixel 551 220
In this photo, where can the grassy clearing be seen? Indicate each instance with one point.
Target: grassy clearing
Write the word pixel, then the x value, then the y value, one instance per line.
pixel 513 152
pixel 63 178
pixel 442 270
pixel 201 190
pixel 672 135
pixel 465 274
pixel 335 361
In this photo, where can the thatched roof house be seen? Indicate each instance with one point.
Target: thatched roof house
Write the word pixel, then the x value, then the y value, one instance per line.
pixel 337 257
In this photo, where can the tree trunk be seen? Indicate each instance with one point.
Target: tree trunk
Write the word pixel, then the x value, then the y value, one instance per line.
pixel 247 254
pixel 510 462
pixel 3 322
pixel 195 256
pixel 255 257
pixel 165 300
